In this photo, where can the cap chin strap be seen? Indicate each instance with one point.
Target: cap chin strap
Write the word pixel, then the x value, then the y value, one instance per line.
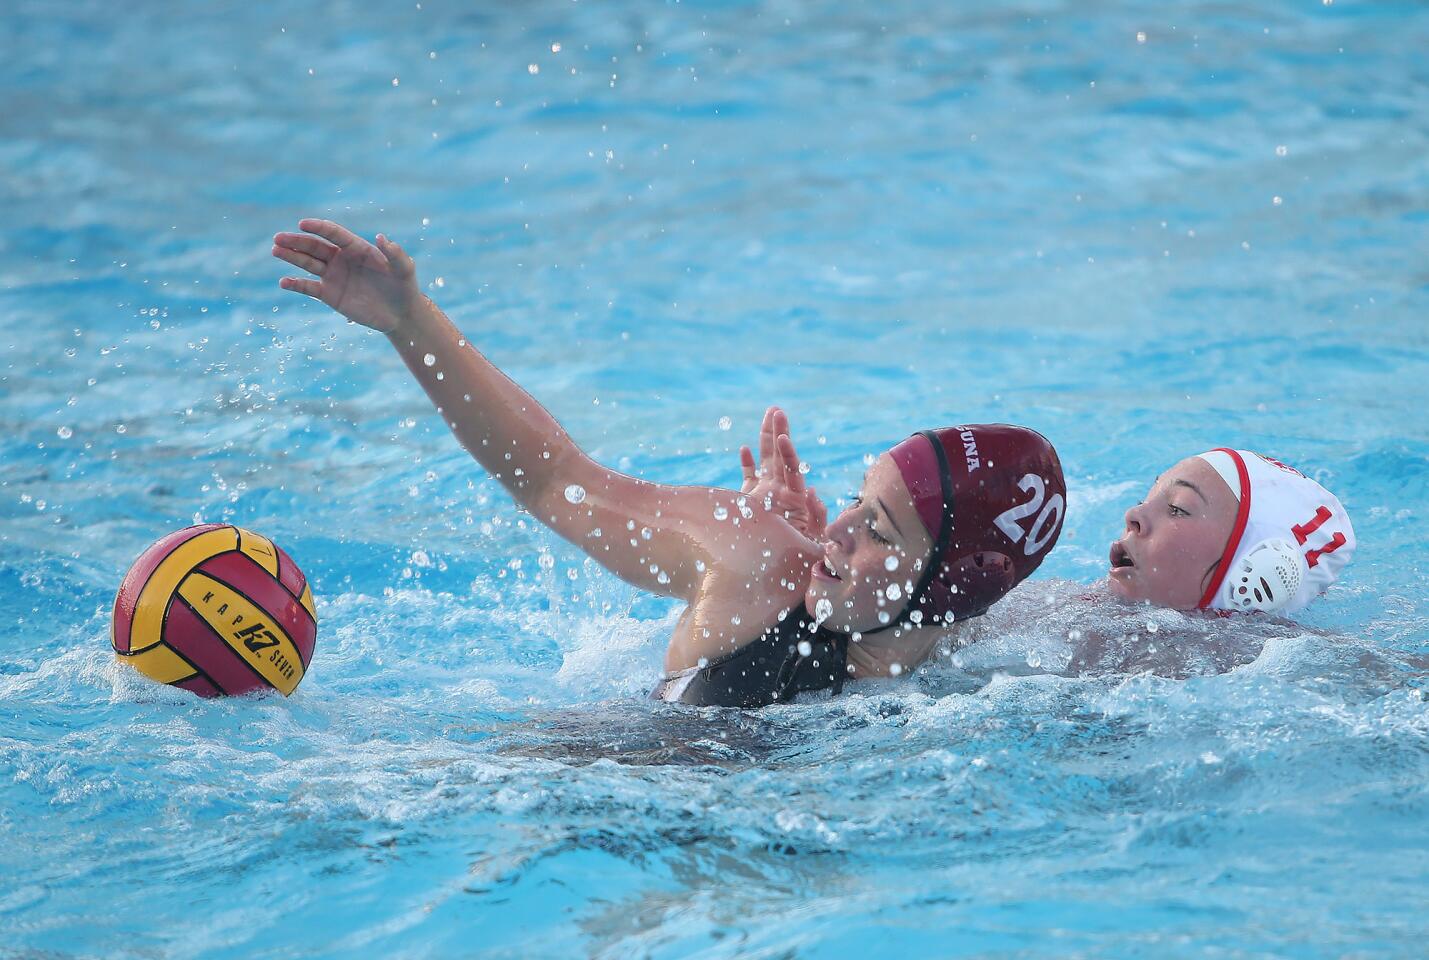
pixel 940 543
pixel 1242 517
pixel 1267 578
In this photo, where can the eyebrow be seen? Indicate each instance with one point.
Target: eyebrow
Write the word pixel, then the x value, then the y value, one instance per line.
pixel 889 514
pixel 1192 486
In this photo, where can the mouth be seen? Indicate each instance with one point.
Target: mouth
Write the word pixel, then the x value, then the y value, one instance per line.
pixel 1120 558
pixel 824 570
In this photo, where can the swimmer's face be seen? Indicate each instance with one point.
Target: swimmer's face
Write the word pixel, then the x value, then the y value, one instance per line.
pixel 878 541
pixel 1174 538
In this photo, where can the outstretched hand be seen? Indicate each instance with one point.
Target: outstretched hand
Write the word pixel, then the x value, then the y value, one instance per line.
pixel 777 483
pixel 375 286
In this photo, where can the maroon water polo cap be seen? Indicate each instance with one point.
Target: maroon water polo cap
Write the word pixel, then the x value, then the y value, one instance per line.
pixel 992 497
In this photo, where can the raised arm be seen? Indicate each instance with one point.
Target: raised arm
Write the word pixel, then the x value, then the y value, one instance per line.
pixel 654 536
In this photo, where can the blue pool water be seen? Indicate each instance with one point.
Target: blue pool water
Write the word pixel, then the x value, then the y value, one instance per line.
pixel 882 217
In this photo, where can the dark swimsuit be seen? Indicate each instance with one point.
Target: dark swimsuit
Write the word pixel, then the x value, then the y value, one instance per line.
pixel 768 670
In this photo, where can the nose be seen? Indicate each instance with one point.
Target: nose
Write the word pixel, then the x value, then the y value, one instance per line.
pixel 841 530
pixel 1134 518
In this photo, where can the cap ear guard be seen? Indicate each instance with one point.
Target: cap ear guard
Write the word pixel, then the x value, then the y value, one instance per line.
pixel 967 587
pixel 1266 578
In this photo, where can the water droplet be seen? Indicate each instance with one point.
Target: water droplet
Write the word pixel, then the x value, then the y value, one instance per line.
pixel 744 510
pixel 556 47
pixel 429 360
pixel 1074 635
pixel 803 466
pixel 869 459
pixel 545 561
pixel 805 648
pixel 725 423
pixel 735 620
pixel 575 493
pixel 663 577
pixel 720 513
pixel 894 669
pixel 893 592
pixel 396 82
pixel 1152 626
pixel 823 609
pixel 1034 659
pixel 890 563
pixel 64 433
pixel 1277 200
pixel 916 616
pixel 1281 150
pixel 699 566
pixel 883 616
pixel 1140 36
pixel 533 68
pixel 646 533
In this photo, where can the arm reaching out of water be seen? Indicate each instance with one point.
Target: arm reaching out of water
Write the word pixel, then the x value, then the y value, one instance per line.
pixel 660 538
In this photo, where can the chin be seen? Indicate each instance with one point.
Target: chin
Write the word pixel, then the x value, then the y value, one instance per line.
pixel 816 592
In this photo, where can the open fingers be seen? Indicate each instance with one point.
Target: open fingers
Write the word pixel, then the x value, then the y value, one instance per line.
pixel 336 233
pixel 400 261
pixel 306 243
pixel 781 422
pixel 766 440
pixel 312 288
pixel 746 464
pixel 298 259
pixel 789 465
pixel 818 513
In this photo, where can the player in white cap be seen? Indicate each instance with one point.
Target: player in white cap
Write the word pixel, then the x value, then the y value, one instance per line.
pixel 1232 530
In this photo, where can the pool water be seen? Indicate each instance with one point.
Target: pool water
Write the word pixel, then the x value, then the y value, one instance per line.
pixel 1144 230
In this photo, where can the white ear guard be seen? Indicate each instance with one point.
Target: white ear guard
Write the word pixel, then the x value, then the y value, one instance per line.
pixel 1266 578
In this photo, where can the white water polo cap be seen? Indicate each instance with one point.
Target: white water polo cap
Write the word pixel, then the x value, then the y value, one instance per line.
pixel 1290 541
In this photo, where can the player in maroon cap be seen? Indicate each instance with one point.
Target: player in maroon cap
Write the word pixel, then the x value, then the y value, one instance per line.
pixel 948 522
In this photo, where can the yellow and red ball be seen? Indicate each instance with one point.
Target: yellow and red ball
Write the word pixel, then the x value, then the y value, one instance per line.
pixel 216 609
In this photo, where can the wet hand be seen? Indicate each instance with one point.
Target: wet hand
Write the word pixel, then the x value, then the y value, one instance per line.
pixel 374 285
pixel 778 482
